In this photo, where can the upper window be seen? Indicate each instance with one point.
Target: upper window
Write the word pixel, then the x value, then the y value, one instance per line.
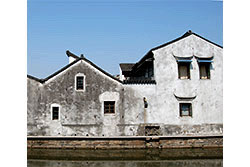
pixel 109 107
pixel 80 82
pixel 184 70
pixel 185 109
pixel 55 111
pixel 204 70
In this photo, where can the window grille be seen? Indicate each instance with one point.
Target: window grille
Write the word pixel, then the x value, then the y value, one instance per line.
pixel 109 107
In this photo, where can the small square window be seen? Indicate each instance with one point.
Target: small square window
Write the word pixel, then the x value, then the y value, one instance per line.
pixel 185 109
pixel 55 113
pixel 80 83
pixel 204 70
pixel 184 70
pixel 109 107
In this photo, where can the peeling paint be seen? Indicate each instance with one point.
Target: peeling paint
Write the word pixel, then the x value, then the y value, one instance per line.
pixel 82 112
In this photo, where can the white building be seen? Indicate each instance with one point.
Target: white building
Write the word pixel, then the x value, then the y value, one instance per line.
pixel 175 89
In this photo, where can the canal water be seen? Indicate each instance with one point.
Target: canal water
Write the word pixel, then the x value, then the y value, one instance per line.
pixel 126 158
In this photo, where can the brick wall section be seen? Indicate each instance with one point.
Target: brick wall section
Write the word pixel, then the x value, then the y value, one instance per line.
pixel 120 143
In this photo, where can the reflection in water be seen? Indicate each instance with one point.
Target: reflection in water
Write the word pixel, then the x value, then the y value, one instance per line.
pixel 162 163
pixel 125 158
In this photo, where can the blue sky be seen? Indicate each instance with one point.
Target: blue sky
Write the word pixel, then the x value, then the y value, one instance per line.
pixel 112 32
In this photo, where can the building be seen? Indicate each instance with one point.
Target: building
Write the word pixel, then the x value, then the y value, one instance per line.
pixel 174 90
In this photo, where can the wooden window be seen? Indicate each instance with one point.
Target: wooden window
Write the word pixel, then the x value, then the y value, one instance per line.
pixel 55 113
pixel 204 70
pixel 185 109
pixel 80 83
pixel 184 70
pixel 109 107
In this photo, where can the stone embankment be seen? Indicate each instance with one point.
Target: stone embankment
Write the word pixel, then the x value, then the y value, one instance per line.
pixel 124 142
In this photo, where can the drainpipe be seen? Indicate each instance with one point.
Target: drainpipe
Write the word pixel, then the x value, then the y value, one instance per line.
pixel 145 109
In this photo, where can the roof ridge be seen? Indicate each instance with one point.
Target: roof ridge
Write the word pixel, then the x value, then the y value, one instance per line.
pixel 34 78
pixel 127 63
pixel 68 65
pixel 188 33
pixel 60 70
pixel 100 69
pixel 70 54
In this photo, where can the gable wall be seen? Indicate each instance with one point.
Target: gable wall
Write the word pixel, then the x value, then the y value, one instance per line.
pixel 34 95
pixel 207 106
pixel 81 113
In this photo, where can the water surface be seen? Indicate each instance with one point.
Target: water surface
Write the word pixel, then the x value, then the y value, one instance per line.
pixel 125 158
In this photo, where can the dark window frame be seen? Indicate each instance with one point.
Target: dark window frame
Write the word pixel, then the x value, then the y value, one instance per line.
pixel 189 106
pixel 207 68
pixel 187 65
pixel 55 113
pixel 80 84
pixel 109 107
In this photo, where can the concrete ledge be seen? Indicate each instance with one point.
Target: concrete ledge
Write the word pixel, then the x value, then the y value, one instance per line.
pixel 118 137
pixel 121 142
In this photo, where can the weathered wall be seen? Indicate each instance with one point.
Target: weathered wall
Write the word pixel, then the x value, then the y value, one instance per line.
pixel 81 113
pixel 127 143
pixel 163 106
pixel 124 154
pixel 207 106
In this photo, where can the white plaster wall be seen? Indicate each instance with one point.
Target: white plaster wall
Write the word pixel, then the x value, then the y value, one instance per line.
pixel 163 107
pixel 134 104
pixel 121 77
pixel 71 59
pixel 207 106
pixel 109 120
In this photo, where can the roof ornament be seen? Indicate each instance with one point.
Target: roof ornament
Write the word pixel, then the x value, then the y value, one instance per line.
pixel 82 56
pixel 69 54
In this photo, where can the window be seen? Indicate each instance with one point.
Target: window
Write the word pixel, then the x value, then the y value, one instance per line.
pixel 109 107
pixel 80 82
pixel 184 70
pixel 55 113
pixel 204 70
pixel 185 109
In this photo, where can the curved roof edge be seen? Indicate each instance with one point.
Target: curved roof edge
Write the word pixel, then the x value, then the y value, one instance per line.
pixel 69 54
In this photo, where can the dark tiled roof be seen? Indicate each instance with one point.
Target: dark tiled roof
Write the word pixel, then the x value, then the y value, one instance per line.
pixel 69 54
pixel 141 81
pixel 34 78
pixel 126 66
